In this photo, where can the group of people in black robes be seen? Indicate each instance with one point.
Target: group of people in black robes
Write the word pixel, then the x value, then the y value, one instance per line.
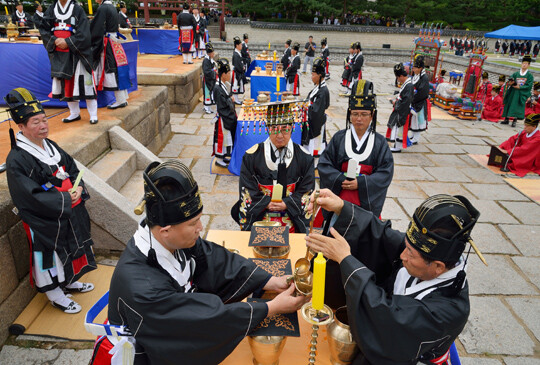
pixel 352 67
pixel 192 33
pixel 517 47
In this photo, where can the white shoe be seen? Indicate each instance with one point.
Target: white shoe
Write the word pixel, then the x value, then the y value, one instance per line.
pixel 72 308
pixel 219 162
pixel 208 111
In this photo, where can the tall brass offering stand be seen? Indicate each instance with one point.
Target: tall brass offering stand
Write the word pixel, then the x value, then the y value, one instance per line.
pixel 316 318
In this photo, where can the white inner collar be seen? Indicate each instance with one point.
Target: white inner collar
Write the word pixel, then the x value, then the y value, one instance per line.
pixel 348 144
pixel 269 148
pixel 529 135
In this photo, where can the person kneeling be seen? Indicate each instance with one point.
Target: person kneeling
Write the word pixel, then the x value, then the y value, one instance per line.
pixel 179 295
pixel 276 179
pixel 407 295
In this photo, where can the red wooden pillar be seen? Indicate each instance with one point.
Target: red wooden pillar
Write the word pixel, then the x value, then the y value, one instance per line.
pixel 146 12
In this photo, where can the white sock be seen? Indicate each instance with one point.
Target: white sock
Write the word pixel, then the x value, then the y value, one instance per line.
pixel 91 106
pixel 184 57
pixel 190 57
pixel 120 96
pixel 74 109
pixel 236 98
pixel 75 285
pixel 57 295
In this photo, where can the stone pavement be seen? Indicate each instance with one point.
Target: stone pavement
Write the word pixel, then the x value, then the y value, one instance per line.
pixel 504 324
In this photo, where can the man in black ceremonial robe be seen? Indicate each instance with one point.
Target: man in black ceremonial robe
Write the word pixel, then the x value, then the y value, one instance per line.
pixel 398 123
pixel 286 54
pixel 357 164
pixel 40 177
pixel 278 160
pixel 178 294
pixel 407 295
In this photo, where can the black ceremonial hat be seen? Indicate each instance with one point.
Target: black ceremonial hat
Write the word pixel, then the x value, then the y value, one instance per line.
pixel 536 85
pixel 180 208
pixel 324 41
pixel 319 66
pixel 485 75
pixel 209 47
pixel 418 61
pixel 122 4
pixel 441 227
pixel 362 96
pixel 527 58
pixel 502 78
pixel 399 70
pixel 496 88
pixel 288 41
pixel 237 41
pixel 296 46
pixel 185 6
pixel 223 66
pixel 22 104
pixel 246 36
pixel 532 119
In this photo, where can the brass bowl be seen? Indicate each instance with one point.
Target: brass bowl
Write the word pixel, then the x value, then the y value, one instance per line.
pixel 262 252
pixel 266 349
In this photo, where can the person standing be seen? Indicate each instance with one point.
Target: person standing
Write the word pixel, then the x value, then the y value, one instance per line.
pixel 246 58
pixel 186 27
pixel 19 17
pixel 65 32
pixel 38 16
pixel 519 89
pixel 346 76
pixel 314 136
pixel 110 60
pixel 419 103
pixel 209 78
pixel 226 118
pixel 504 47
pixel 238 71
pixel 123 19
pixel 285 59
pixel 200 32
pixel 356 66
pixel 309 53
pixel 399 121
pixel 40 178
pixel 291 73
pixel 325 55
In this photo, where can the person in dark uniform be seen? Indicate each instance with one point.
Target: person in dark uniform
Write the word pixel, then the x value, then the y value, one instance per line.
pixel 291 73
pixel 238 71
pixel 346 76
pixel 226 118
pixel 246 57
pixel 123 19
pixel 278 160
pixel 356 66
pixel 286 54
pixel 200 33
pixel 420 83
pixel 186 27
pixel 314 137
pixel 19 17
pixel 65 32
pixel 209 68
pixel 407 294
pixel 41 177
pixel 357 164
pixel 325 55
pixel 38 15
pixel 400 117
pixel 110 61
pixel 178 295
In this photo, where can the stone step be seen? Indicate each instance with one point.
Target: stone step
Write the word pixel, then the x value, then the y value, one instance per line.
pixel 116 167
pixel 133 189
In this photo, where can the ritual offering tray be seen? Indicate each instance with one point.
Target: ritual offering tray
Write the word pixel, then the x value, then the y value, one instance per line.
pixel 270 240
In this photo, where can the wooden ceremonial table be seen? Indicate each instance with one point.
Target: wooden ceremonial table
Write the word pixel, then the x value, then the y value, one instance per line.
pixel 296 350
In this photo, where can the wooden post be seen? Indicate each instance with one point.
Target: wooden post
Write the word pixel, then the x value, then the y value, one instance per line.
pixel 146 12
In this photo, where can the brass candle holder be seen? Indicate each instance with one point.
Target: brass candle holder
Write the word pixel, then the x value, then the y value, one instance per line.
pixel 316 318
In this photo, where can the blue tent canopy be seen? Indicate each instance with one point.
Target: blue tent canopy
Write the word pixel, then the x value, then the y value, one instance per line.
pixel 516 32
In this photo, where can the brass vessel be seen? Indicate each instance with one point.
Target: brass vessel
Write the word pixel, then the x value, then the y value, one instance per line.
pixel 268 67
pixel 343 349
pixel 279 69
pixel 266 349
pixel 12 32
pixel 262 252
pixel 126 32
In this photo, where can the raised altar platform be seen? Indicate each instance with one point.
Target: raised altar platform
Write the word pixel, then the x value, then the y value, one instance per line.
pixel 29 67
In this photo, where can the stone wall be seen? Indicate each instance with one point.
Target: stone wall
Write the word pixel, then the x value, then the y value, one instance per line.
pixel 146 118
pixel 184 90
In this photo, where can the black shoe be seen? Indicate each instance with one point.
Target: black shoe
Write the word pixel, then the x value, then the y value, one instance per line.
pixel 67 120
pixel 93 121
pixel 123 105
pixel 227 159
pixel 505 121
pixel 514 121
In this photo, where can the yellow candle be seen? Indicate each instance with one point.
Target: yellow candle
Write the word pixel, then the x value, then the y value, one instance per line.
pixel 136 22
pixel 269 46
pixel 90 7
pixel 277 193
pixel 319 273
pixel 7 13
pixel 277 83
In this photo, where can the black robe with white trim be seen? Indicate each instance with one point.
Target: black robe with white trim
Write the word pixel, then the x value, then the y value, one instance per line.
pixel 172 326
pixel 319 101
pixel 374 153
pixel 259 171
pixel 402 107
pixel 393 318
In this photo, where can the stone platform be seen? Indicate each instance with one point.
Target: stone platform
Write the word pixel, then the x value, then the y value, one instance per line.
pixel 183 81
pixel 113 154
